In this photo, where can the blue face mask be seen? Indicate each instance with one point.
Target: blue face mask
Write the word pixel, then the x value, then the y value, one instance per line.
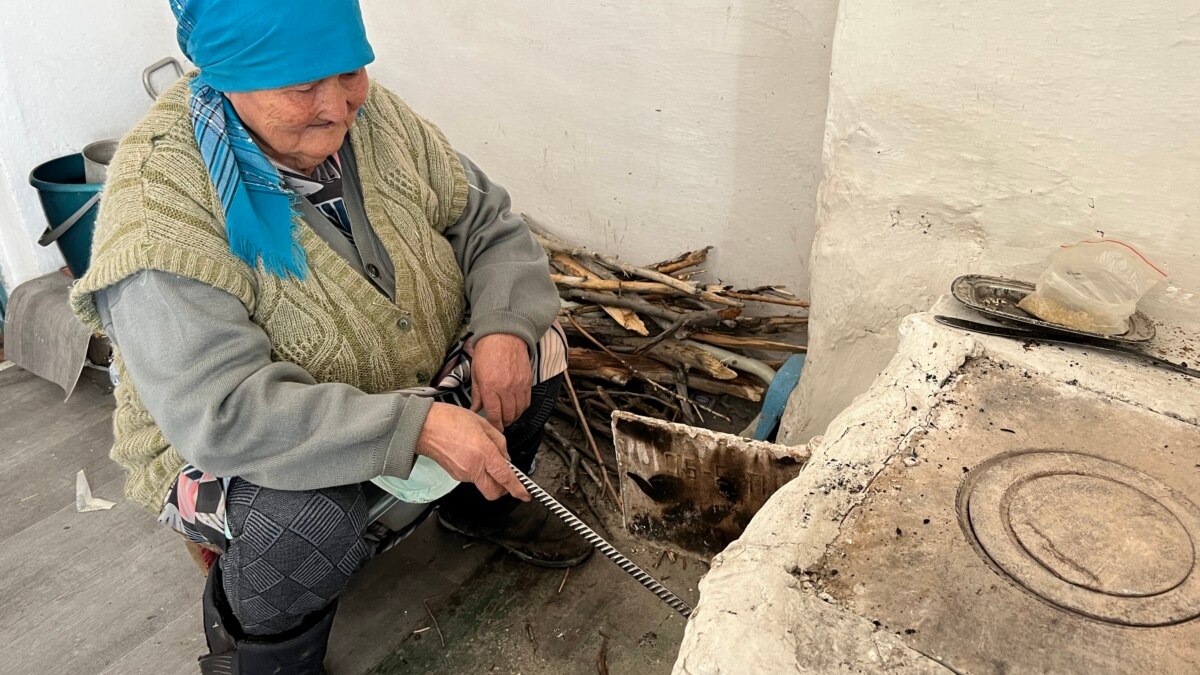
pixel 427 482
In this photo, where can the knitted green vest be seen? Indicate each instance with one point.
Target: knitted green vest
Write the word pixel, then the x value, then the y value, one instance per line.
pixel 160 212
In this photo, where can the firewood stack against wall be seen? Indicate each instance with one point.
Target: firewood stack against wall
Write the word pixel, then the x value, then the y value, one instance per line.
pixel 656 341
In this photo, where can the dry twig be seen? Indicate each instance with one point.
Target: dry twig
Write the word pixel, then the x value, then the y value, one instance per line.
pixel 433 618
pixel 768 299
pixel 587 432
pixel 682 261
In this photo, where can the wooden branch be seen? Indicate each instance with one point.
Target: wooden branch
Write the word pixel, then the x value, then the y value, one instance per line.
pixel 758 297
pixel 600 428
pixel 614 285
pixel 599 420
pixel 648 287
pixel 692 358
pixel 627 301
pixel 603 328
pixel 625 317
pixel 742 387
pixel 678 319
pixel 556 246
pixel 739 362
pixel 771 324
pixel 738 342
pixel 592 363
pixel 719 299
pixel 682 391
pixel 769 290
pixel 570 265
pixel 614 264
pixel 628 365
pixel 608 400
pixel 570 460
pixel 682 261
pixel 613 375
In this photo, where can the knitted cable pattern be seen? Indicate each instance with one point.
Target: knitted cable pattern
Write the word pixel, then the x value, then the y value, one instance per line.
pixel 161 212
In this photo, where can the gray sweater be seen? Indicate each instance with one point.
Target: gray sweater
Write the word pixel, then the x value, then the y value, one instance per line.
pixel 200 363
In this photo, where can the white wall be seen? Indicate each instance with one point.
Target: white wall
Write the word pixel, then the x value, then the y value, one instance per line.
pixel 70 74
pixel 978 135
pixel 640 127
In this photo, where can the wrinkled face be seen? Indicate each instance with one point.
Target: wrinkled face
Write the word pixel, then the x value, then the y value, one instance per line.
pixel 301 125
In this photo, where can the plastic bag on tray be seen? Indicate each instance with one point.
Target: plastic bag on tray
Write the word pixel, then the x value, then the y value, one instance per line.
pixel 1093 286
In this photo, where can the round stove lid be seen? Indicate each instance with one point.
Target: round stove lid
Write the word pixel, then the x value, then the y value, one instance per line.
pixel 1087 535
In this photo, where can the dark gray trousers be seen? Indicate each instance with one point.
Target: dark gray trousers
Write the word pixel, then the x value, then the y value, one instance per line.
pixel 293 552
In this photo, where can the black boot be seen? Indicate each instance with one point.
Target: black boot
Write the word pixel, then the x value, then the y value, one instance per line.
pixel 525 529
pixel 298 652
pixel 220 627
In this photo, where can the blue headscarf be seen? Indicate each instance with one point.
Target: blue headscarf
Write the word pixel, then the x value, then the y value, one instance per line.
pixel 247 45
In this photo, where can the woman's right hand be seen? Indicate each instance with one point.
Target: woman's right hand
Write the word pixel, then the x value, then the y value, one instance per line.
pixel 470 450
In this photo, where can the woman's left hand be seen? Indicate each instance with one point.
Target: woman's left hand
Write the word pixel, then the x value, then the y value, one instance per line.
pixel 501 378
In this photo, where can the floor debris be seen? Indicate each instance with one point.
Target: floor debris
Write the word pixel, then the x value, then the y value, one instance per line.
pixel 433 618
pixel 84 501
pixel 532 640
pixel 602 657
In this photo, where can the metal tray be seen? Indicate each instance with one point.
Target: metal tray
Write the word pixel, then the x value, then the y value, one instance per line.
pixel 998 298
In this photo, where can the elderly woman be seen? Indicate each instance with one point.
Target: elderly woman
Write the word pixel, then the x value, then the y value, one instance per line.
pixel 309 289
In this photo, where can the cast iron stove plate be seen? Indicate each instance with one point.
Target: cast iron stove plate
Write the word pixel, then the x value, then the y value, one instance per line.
pixel 1087 534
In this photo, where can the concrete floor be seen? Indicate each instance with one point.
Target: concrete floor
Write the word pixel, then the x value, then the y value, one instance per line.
pixel 112 592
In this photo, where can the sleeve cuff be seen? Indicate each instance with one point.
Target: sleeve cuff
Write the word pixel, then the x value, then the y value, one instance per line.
pixel 402 451
pixel 503 321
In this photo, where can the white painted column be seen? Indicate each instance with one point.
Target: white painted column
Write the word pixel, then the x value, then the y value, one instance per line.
pixel 975 136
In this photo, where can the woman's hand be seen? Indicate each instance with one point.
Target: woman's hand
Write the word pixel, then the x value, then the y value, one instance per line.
pixel 470 450
pixel 501 378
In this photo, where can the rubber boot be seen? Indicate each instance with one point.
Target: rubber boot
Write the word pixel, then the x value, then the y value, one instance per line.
pixel 298 652
pixel 301 653
pixel 219 629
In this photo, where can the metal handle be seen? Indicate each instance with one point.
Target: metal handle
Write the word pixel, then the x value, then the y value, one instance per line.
pixel 154 68
pixel 53 233
pixel 628 566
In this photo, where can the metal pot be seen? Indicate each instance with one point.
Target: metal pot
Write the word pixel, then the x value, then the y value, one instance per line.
pixel 96 158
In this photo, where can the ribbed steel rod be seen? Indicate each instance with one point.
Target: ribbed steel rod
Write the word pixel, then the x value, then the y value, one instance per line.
pixel 628 566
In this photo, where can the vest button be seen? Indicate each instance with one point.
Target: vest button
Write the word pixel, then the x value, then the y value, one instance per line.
pixel 404 325
pixel 373 271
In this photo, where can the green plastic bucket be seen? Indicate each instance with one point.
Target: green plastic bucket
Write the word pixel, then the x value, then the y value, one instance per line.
pixel 70 205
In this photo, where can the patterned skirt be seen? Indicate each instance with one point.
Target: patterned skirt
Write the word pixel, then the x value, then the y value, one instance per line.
pixel 195 504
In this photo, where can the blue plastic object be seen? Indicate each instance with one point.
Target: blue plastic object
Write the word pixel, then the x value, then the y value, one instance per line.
pixel 777 397
pixel 3 301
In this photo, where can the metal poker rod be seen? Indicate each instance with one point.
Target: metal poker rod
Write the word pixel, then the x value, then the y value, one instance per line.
pixel 628 566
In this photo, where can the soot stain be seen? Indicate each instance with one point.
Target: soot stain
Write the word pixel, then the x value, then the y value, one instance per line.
pixel 710 508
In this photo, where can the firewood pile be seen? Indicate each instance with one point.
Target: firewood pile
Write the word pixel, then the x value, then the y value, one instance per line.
pixel 655 341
